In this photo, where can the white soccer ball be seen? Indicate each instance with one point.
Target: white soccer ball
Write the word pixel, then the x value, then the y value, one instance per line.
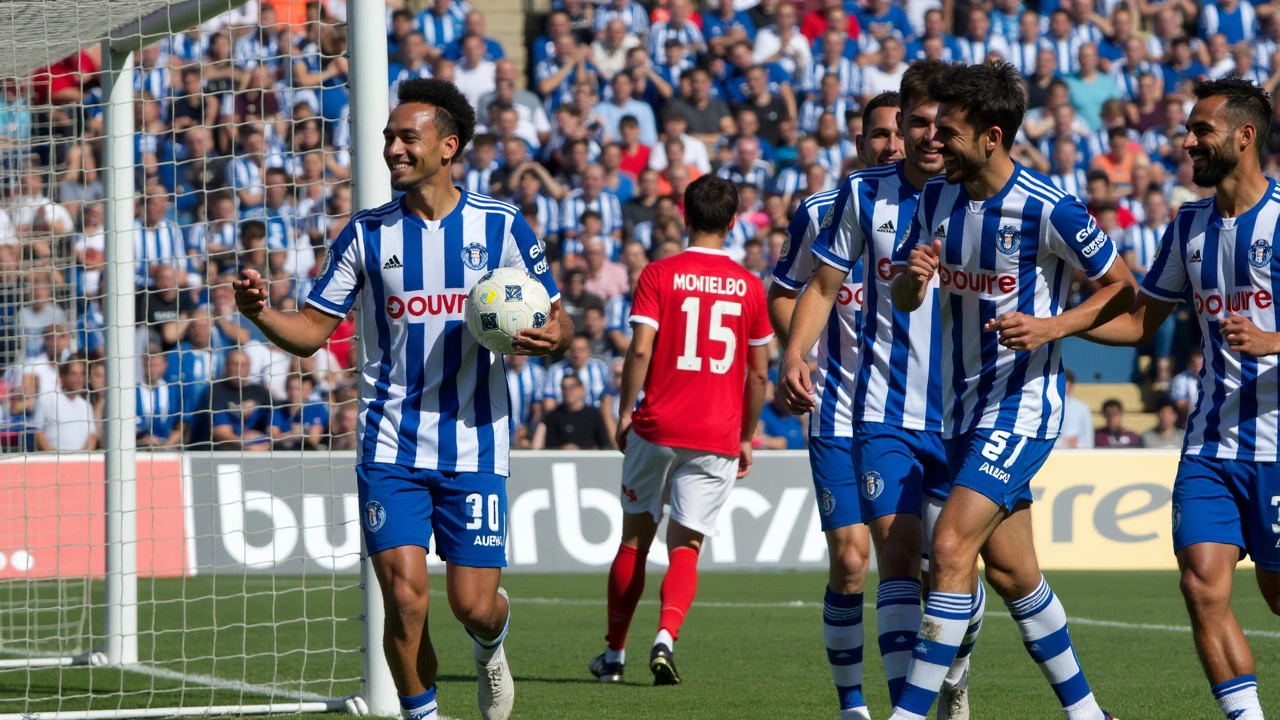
pixel 504 302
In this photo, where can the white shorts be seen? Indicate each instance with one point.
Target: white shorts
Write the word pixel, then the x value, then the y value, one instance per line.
pixel 696 483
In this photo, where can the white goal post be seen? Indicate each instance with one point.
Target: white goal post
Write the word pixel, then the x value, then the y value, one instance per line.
pixel 64 623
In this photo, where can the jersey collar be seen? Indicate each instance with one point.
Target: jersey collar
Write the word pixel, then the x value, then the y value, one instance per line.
pixel 708 251
pixel 435 226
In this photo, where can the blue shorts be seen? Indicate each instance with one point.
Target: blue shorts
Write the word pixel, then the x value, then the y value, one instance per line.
pixel 997 463
pixel 1229 502
pixel 897 468
pixel 834 482
pixel 402 506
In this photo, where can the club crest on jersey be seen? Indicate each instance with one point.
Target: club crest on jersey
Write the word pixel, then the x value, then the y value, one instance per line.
pixel 1177 516
pixel 872 485
pixel 1008 238
pixel 539 319
pixel 488 321
pixel 374 516
pixel 829 218
pixel 514 293
pixel 475 256
pixel 1260 253
pixel 826 502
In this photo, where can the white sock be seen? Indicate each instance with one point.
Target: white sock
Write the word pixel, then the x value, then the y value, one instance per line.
pixel 898 616
pixel 615 656
pixel 484 650
pixel 961 666
pixel 1238 698
pixel 1043 624
pixel 664 638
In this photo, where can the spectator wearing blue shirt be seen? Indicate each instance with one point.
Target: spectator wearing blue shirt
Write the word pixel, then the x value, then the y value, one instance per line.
pixel 159 423
pixel 882 18
pixel 301 423
pixel 622 104
pixel 633 15
pixel 193 366
pixel 544 46
pixel 1235 19
pixel 1182 66
pixel 413 52
pixel 725 26
pixel 934 27
pixel 241 409
pixel 556 76
pixel 401 25
pixel 440 24
pixel 474 25
pixel 781 429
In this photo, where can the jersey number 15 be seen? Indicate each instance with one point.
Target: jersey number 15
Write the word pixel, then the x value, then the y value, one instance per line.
pixel 689 359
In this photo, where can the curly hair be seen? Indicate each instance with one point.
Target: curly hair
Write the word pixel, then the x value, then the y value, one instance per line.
pixel 455 116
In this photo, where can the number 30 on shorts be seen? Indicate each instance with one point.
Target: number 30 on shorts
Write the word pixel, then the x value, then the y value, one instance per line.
pixel 476 503
pixel 998 443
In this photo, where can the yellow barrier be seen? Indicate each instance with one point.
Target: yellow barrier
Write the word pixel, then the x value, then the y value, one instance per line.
pixel 1105 510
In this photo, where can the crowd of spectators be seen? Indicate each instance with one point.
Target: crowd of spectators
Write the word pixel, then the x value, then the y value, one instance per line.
pixel 242 161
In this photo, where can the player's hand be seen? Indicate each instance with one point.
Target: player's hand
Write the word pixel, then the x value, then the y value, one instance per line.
pixel 251 293
pixel 541 341
pixel 1243 336
pixel 794 385
pixel 744 458
pixel 922 263
pixel 1019 331
pixel 620 437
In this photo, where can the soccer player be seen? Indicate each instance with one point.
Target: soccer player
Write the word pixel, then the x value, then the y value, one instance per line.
pixel 1219 252
pixel 433 402
pixel 1002 243
pixel 699 351
pixel 899 463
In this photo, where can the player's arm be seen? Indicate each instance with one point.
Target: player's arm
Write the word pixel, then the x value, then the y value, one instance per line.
pixel 1135 327
pixel 812 310
pixel 915 263
pixel 297 332
pixel 526 253
pixel 634 370
pixel 540 438
pixel 782 307
pixel 752 402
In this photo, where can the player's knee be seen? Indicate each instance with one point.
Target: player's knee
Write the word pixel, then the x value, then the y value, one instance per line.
pixel 949 553
pixel 473 610
pixel 849 565
pixel 1201 591
pixel 406 599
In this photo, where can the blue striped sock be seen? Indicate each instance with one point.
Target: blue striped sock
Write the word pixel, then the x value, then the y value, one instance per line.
pixel 842 630
pixel 419 707
pixel 1238 698
pixel 898 616
pixel 1043 623
pixel 946 616
pixel 961 665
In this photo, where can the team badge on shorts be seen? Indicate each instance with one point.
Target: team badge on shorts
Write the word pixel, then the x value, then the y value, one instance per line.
pixel 1177 516
pixel 475 256
pixel 1260 253
pixel 826 502
pixel 374 516
pixel 872 485
pixel 1008 238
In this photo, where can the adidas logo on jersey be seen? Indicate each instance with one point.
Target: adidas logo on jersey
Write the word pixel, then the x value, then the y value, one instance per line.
pixel 392 264
pixel 940 232
pixel 1195 256
pixel 886 228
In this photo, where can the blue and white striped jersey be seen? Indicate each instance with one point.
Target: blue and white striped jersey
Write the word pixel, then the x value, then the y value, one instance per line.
pixel 975 52
pixel 1023 56
pixel 634 15
pixel 200 237
pixel 898 369
pixel 1240 25
pixel 576 203
pixel 617 310
pixel 430 396
pixel 1012 252
pixel 1144 242
pixel 596 377
pixel 244 174
pixel 160 245
pixel 838 344
pixel 1072 183
pixel 813 110
pixel 688 35
pixel 1227 266
pixel 159 409
pixel 833 158
pixel 1066 51
pixel 478 179
pixel 759 174
pixel 439 30
pixel 524 387
pixel 847 70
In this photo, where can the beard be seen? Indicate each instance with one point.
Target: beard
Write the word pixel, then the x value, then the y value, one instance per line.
pixel 963 170
pixel 1218 164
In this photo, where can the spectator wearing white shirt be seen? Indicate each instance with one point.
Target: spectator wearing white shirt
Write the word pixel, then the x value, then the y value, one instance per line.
pixel 695 152
pixel 1185 388
pixel 64 419
pixel 39 314
pixel 609 51
pixel 978 43
pixel 886 76
pixel 473 74
pixel 782 43
pixel 37 217
pixel 1077 422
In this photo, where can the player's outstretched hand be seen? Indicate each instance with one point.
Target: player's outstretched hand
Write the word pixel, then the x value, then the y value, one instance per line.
pixel 545 340
pixel 1243 336
pixel 794 385
pixel 1019 331
pixel 620 437
pixel 922 263
pixel 744 459
pixel 251 293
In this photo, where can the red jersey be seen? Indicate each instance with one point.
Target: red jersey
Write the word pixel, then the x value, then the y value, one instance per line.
pixel 707 310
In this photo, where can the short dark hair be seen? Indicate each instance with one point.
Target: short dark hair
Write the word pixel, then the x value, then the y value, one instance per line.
pixel 883 100
pixel 710 204
pixel 1112 403
pixel 915 81
pixel 455 116
pixel 990 94
pixel 1164 401
pixel 484 139
pixel 1246 103
pixel 1095 175
pixel 626 120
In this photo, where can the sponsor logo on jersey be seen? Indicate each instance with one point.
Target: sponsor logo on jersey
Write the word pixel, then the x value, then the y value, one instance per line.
pixel 826 502
pixel 514 292
pixel 1087 231
pixel 1098 243
pixel 850 294
pixel 1008 238
pixel 709 284
pixel 475 256
pixel 1214 304
pixel 487 541
pixel 541 267
pixel 392 264
pixel 886 228
pixel 374 516
pixel 940 232
pixel 418 305
pixel 1260 253
pixel 324 264
pixel 977 282
pixel 1195 256
pixel 786 246
pixel 872 485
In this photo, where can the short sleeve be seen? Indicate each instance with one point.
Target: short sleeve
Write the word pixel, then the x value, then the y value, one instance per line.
pixel 840 241
pixel 644 303
pixel 1167 278
pixel 1075 236
pixel 525 252
pixel 796 264
pixel 341 275
pixel 761 332
pixel 910 238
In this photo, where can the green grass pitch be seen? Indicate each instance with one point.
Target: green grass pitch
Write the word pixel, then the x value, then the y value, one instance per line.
pixel 752 648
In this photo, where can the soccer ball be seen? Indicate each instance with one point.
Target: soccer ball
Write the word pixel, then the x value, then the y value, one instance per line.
pixel 504 302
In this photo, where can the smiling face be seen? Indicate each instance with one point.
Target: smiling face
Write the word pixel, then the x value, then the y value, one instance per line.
pixel 412 146
pixel 920 146
pixel 1211 142
pixel 882 141
pixel 963 149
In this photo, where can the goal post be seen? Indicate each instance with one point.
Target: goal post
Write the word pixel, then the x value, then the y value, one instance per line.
pixel 127 588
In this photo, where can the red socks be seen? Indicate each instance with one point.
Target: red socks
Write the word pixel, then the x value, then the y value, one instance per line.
pixel 678 588
pixel 626 585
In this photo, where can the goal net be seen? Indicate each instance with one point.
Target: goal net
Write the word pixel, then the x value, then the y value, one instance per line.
pixel 150 150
